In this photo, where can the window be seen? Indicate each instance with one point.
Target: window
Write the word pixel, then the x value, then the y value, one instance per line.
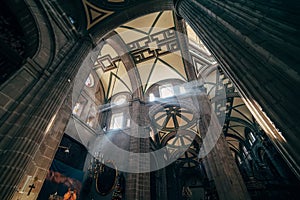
pixel 92 117
pixel 246 153
pixel 151 97
pixel 245 150
pixel 182 90
pixel 152 134
pixel 117 121
pixel 79 106
pixel 239 159
pixel 77 109
pixel 91 121
pixel 119 100
pixel 128 123
pixel 166 91
pixel 119 114
pixel 252 138
pixel 89 81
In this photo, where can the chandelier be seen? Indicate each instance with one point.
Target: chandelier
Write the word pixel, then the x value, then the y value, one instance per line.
pixel 96 165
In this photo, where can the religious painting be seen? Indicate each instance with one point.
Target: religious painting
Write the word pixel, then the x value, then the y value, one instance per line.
pixel 61 180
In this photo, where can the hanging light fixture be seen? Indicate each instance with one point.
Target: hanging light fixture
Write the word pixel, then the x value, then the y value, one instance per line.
pixel 96 165
pixel 66 149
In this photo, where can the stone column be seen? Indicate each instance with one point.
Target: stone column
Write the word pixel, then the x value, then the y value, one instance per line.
pixel 38 167
pixel 224 172
pixel 161 184
pixel 257 45
pixel 32 118
pixel 138 184
pixel 219 162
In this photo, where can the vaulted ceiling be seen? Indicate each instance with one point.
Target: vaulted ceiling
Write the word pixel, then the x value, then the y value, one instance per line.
pixel 149 45
pixel 143 53
pixel 90 15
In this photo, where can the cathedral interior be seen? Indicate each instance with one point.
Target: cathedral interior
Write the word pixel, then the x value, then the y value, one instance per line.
pixel 150 99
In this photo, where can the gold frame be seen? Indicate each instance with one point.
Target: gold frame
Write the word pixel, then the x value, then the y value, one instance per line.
pixel 115 181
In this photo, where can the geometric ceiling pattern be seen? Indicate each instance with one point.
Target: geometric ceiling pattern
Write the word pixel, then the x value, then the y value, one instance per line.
pixel 155 48
pixel 94 14
pixel 112 72
pixel 151 48
pixel 152 44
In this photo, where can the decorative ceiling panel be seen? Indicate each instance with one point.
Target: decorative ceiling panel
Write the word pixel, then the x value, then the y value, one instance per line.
pixel 112 72
pixel 152 42
pixel 144 23
pixel 145 70
pixel 129 35
pixel 162 72
pixel 165 21
pixel 122 83
pixel 175 61
pixel 150 36
pixel 94 14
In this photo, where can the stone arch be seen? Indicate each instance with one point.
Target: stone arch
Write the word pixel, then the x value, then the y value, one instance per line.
pixel 19 37
pixel 37 29
pixel 25 18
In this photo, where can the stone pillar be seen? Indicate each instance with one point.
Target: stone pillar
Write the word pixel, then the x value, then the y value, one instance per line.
pixel 224 172
pixel 161 184
pixel 219 162
pixel 38 167
pixel 31 120
pixel 138 184
pixel 257 46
